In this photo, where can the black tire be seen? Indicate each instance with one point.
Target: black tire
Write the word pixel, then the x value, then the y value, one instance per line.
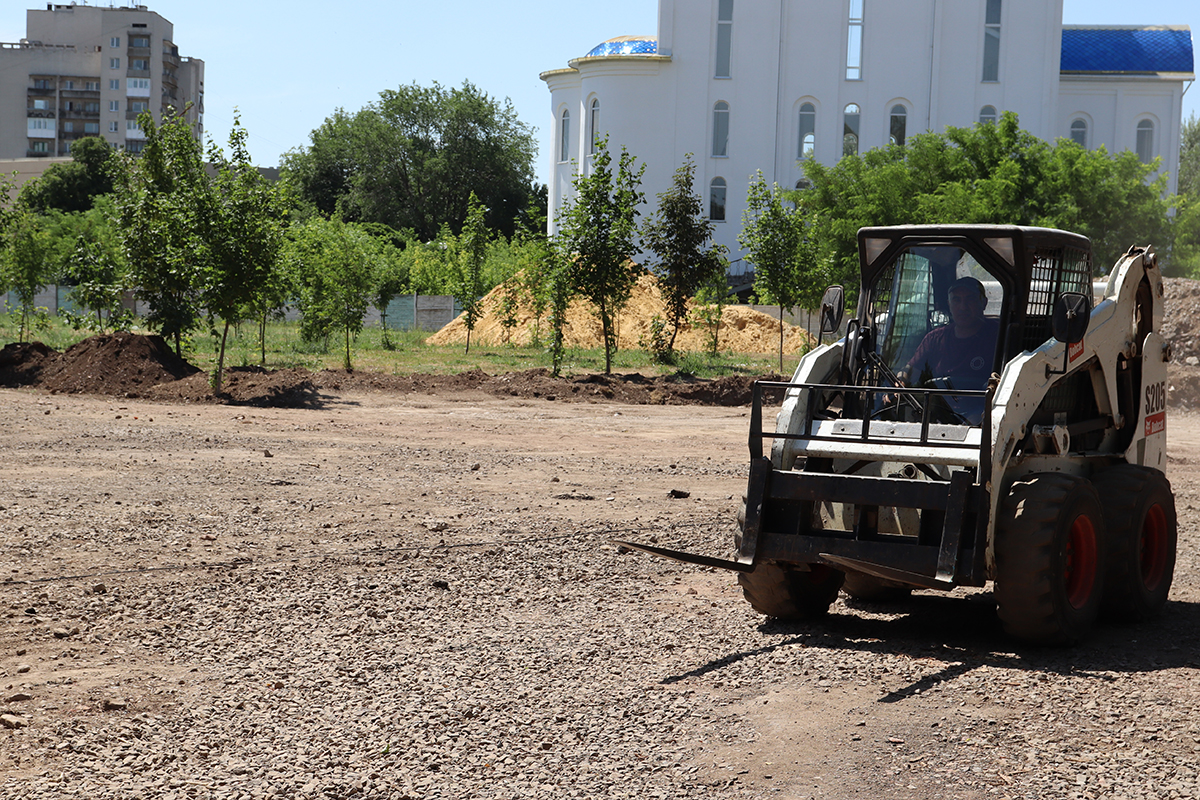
pixel 1050 548
pixel 871 589
pixel 1142 538
pixel 790 593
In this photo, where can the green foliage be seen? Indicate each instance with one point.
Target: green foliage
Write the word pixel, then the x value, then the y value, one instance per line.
pixel 333 266
pixel 990 173
pixel 709 309
pixel 72 187
pixel 1185 256
pixel 96 226
pixel 773 236
pixel 241 229
pixel 659 342
pixel 468 288
pixel 98 278
pixel 598 231
pixel 412 159
pixel 1189 159
pixel 680 238
pixel 162 199
pixel 24 263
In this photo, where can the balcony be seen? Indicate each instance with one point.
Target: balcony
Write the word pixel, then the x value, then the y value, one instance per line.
pixel 137 73
pixel 40 92
pixel 138 52
pixel 31 153
pixel 77 114
pixel 39 113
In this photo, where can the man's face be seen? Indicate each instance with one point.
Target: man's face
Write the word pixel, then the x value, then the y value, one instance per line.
pixel 965 304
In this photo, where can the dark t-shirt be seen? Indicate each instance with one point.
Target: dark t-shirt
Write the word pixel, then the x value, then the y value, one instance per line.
pixel 943 354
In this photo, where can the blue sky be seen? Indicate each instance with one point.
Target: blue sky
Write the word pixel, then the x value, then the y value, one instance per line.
pixel 287 66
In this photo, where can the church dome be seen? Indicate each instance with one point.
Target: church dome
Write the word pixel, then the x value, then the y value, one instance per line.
pixel 626 46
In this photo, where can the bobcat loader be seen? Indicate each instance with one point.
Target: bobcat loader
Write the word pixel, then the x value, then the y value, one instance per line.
pixel 1040 470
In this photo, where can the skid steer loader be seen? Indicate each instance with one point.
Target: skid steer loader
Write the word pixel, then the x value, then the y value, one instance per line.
pixel 1035 461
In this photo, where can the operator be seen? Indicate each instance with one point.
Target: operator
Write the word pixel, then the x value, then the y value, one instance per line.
pixel 965 349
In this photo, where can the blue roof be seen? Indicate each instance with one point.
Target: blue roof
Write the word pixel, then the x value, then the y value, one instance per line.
pixel 1126 49
pixel 626 46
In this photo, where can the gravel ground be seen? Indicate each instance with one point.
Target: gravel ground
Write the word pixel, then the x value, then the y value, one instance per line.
pixel 412 596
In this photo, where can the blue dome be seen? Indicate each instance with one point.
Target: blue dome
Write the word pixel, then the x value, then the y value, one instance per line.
pixel 1118 49
pixel 626 46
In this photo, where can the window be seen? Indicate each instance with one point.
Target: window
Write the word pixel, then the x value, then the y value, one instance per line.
pixel 42 83
pixel 69 85
pixel 139 41
pixel 39 124
pixel 594 127
pixel 139 83
pixel 114 41
pixel 991 42
pixel 987 115
pixel 135 147
pixel 899 127
pixel 850 130
pixel 91 127
pixel 113 126
pixel 41 104
pixel 139 106
pixel 114 84
pixel 808 130
pixel 720 144
pixel 1079 132
pixel 114 63
pixel 93 86
pixel 1145 141
pixel 91 108
pixel 716 199
pixel 139 63
pixel 724 39
pixel 40 147
pixel 854 42
pixel 564 136
pixel 803 185
pixel 114 105
pixel 68 127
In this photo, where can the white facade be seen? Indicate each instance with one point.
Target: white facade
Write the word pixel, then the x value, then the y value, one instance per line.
pixel 776 70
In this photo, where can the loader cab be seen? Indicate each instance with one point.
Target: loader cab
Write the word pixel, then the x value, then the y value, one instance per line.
pixel 944 307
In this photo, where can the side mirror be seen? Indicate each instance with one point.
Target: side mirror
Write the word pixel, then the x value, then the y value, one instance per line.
pixel 833 306
pixel 1072 314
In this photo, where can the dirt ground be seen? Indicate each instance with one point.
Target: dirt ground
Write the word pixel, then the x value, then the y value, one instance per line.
pixel 205 600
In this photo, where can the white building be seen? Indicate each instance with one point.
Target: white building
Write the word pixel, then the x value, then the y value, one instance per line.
pixel 748 86
pixel 89 71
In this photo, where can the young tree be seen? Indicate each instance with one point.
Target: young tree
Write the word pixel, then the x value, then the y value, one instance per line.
pixel 23 262
pixel 598 230
pixel 468 288
pixel 711 299
pixel 161 198
pixel 772 236
pixel 73 186
pixel 241 230
pixel 333 264
pixel 679 236
pixel 98 279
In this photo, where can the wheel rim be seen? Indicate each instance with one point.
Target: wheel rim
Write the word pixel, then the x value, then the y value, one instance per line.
pixel 1152 549
pixel 1081 562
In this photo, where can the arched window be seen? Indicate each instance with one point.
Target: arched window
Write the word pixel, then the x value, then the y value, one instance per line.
pixel 594 126
pixel 564 136
pixel 854 42
pixel 724 39
pixel 850 120
pixel 716 199
pixel 987 115
pixel 899 127
pixel 803 184
pixel 720 143
pixel 1079 132
pixel 991 42
pixel 1145 141
pixel 808 130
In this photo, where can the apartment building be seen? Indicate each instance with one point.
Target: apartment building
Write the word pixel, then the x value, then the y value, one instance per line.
pixel 90 71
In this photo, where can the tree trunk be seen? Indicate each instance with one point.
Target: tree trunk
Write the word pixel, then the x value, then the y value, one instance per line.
pixel 606 330
pixel 781 339
pixel 220 361
pixel 347 362
pixel 262 339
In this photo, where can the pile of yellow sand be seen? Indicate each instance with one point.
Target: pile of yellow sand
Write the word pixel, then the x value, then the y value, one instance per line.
pixel 743 330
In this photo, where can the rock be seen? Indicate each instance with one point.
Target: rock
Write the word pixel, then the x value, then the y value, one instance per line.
pixel 114 704
pixel 439 584
pixel 23 668
pixel 61 633
pixel 100 588
pixel 678 494
pixel 435 525
pixel 1192 361
pixel 19 697
pixel 12 721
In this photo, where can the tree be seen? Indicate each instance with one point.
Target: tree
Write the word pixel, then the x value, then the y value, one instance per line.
pixel 23 262
pixel 161 197
pixel 989 173
pixel 771 235
pixel 73 186
pixel 98 282
pixel 333 264
pixel 468 288
pixel 597 232
pixel 411 160
pixel 679 236
pixel 241 227
pixel 1189 159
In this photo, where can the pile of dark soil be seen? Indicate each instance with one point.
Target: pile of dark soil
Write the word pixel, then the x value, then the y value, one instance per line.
pixel 251 386
pixel 21 363
pixel 120 364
